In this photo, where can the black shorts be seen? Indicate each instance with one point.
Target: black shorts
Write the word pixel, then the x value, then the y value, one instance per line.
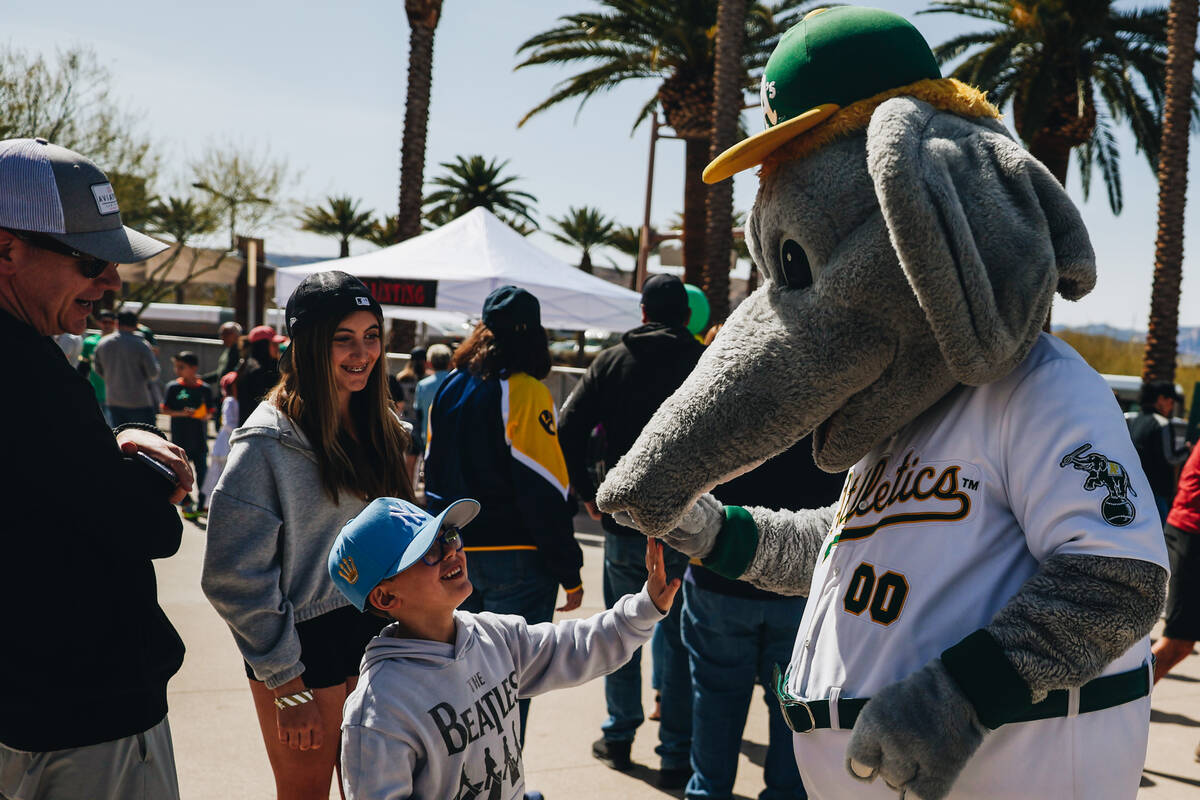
pixel 1183 591
pixel 332 645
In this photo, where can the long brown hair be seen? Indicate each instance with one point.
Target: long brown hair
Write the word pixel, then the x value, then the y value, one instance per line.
pixel 368 462
pixel 487 355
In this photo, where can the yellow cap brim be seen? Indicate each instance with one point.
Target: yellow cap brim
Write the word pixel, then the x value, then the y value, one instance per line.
pixel 753 151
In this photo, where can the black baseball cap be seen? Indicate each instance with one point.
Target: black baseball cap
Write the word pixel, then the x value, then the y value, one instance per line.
pixel 327 294
pixel 665 300
pixel 511 309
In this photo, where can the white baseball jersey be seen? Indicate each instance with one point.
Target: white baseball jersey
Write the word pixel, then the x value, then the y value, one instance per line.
pixel 938 528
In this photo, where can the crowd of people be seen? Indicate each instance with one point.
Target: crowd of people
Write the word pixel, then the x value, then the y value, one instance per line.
pixel 328 540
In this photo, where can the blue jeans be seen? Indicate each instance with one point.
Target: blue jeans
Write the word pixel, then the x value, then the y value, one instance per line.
pixel 625 573
pixel 733 642
pixel 511 582
pixel 656 661
pixel 121 415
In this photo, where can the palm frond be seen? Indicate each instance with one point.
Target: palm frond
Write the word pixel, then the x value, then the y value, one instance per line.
pixel 1102 151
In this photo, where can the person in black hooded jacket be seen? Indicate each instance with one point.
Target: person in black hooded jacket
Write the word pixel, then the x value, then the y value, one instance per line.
pixel 599 422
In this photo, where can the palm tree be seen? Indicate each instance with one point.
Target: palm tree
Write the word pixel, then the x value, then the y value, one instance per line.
pixel 671 42
pixel 727 109
pixel 585 228
pixel 627 240
pixel 341 219
pixel 1159 362
pixel 1073 70
pixel 423 17
pixel 182 219
pixel 474 182
pixel 384 232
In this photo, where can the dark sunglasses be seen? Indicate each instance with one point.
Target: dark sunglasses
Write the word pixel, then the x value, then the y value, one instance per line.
pixel 449 540
pixel 90 266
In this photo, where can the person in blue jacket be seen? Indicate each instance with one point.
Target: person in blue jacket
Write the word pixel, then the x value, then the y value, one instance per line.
pixel 492 435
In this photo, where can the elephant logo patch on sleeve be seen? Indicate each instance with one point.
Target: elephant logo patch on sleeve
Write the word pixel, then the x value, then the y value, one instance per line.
pixel 1103 472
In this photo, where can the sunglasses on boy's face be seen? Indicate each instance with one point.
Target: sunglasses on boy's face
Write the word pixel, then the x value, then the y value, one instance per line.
pixel 90 266
pixel 449 540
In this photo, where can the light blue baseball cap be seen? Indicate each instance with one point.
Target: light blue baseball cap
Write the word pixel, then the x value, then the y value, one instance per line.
pixel 386 538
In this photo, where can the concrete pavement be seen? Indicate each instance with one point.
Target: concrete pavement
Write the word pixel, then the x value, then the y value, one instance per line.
pixel 220 756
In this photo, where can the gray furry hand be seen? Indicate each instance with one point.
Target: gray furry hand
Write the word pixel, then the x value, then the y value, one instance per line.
pixel 916 734
pixel 697 531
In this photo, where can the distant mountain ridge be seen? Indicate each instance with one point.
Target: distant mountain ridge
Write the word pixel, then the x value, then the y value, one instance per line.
pixel 1188 342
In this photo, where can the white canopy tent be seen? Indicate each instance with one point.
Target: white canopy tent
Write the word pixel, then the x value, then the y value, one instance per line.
pixel 447 273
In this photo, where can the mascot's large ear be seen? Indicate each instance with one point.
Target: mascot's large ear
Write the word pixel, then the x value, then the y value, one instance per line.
pixel 983 231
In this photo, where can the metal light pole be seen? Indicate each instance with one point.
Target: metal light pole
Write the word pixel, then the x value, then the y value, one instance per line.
pixel 250 267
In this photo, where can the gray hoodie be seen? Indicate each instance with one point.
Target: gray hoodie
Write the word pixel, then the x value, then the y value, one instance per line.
pixel 440 721
pixel 270 527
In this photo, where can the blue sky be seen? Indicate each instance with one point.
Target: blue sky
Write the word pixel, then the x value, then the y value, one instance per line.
pixel 323 85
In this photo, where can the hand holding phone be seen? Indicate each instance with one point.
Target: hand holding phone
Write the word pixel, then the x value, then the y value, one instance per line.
pixel 158 468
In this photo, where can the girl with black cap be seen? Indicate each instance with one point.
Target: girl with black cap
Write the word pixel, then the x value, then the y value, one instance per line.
pixel 323 444
pixel 491 435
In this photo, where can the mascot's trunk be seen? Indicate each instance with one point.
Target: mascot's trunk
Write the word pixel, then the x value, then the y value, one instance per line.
pixel 743 403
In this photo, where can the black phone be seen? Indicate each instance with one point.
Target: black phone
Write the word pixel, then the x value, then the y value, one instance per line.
pixel 157 467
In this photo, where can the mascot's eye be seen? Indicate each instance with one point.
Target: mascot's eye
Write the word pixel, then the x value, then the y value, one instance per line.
pixel 797 274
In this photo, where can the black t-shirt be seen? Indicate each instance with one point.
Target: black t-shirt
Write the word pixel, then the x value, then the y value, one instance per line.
pixel 255 380
pixel 189 432
pixel 404 390
pixel 1152 436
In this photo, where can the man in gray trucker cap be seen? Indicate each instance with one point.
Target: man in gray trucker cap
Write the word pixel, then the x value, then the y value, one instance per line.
pixel 54 191
pixel 86 654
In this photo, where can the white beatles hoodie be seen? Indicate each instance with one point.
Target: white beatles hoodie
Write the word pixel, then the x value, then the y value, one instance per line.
pixel 440 722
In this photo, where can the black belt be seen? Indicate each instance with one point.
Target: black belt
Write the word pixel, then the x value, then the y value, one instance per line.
pixel 803 716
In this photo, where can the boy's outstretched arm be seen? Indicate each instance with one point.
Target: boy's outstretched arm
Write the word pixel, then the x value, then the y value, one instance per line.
pixel 660 590
pixel 553 656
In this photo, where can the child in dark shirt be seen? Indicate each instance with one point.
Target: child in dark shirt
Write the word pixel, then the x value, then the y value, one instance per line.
pixel 189 404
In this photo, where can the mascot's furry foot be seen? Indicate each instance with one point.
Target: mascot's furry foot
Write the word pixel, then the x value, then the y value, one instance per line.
pixel 916 734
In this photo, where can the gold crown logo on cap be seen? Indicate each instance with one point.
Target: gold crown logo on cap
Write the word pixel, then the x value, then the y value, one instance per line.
pixel 347 570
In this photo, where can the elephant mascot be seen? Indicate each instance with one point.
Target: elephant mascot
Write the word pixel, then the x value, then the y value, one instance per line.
pixel 980 597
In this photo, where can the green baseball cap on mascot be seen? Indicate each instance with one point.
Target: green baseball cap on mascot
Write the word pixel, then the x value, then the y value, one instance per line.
pixel 832 58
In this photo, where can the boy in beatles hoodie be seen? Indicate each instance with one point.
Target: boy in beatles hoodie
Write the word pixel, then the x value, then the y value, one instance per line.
pixel 435 711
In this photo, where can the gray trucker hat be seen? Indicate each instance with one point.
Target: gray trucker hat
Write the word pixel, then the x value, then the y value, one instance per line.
pixel 49 189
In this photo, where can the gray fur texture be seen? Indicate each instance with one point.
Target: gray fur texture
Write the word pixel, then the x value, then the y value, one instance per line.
pixel 1075 616
pixel 788 545
pixel 916 734
pixel 969 211
pixel 935 244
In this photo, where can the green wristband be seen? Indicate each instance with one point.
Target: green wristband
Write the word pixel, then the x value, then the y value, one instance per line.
pixel 735 545
pixel 985 675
